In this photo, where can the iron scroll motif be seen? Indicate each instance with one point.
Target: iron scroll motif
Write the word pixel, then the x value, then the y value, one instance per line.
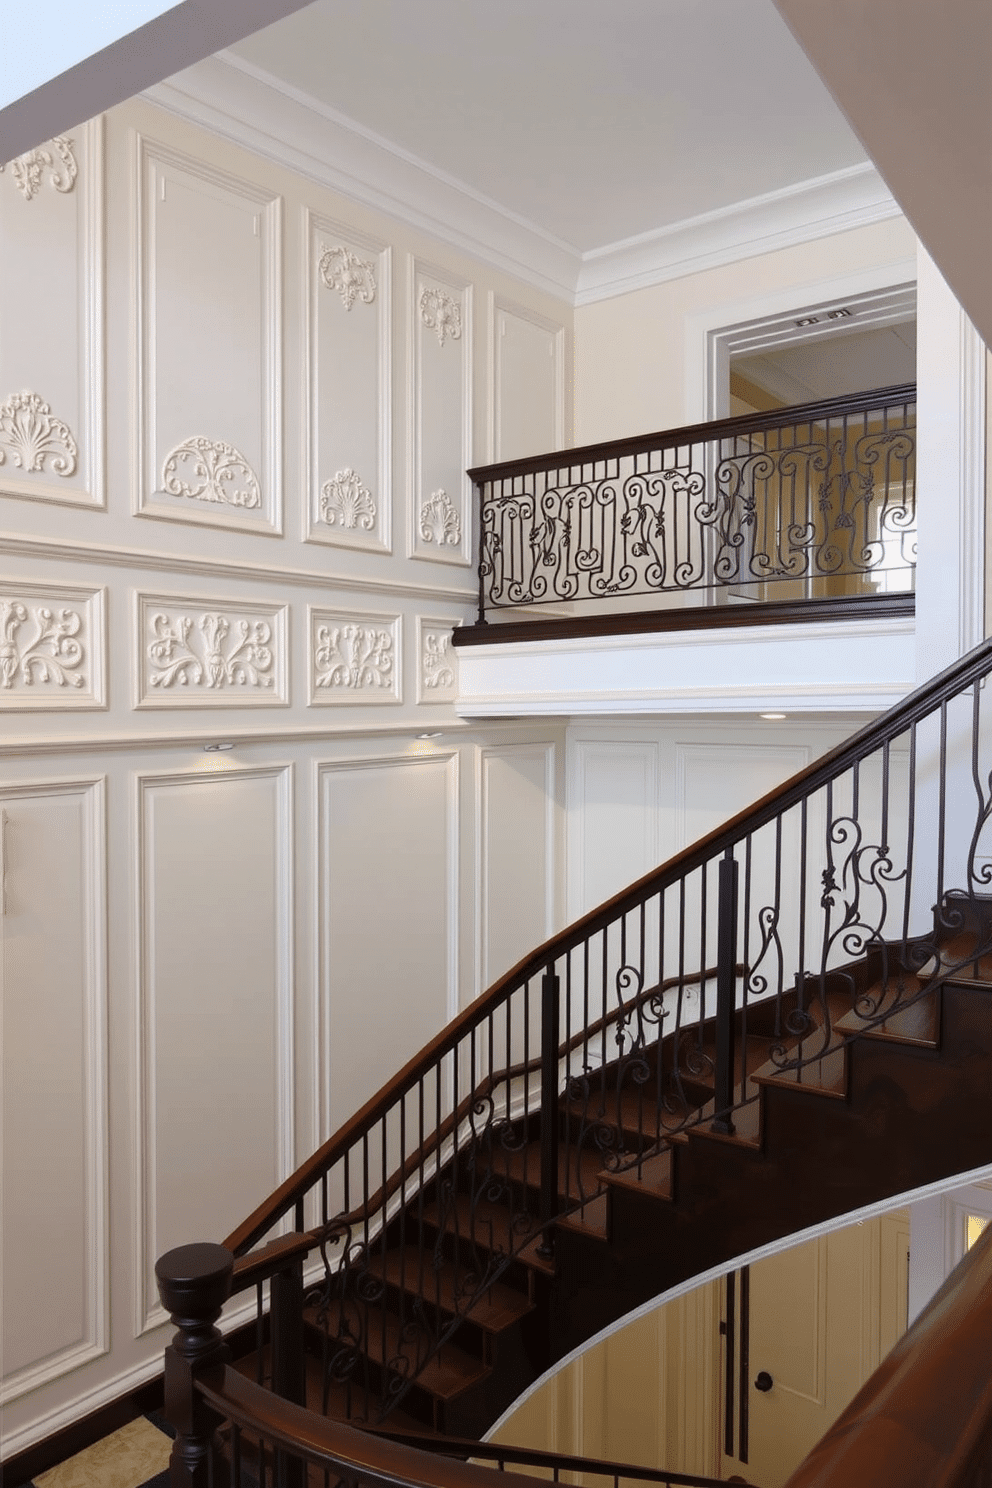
pixel 807 503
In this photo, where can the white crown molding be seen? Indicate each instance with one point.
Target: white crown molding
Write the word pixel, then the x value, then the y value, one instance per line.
pixel 255 110
pixel 817 208
pixel 18 546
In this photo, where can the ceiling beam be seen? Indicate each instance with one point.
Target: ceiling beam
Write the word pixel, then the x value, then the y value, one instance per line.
pixel 74 60
pixel 912 77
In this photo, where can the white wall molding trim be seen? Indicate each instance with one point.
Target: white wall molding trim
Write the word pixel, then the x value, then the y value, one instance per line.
pixel 94 1101
pixel 817 208
pixel 869 698
pixel 882 292
pixel 19 546
pixel 148 1313
pixel 971 566
pixel 187 739
pixel 251 108
pixel 115 1388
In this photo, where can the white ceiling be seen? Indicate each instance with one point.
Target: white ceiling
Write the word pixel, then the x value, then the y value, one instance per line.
pixel 592 121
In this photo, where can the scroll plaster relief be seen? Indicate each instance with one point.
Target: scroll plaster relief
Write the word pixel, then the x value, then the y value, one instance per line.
pixel 354 658
pixel 56 164
pixel 205 655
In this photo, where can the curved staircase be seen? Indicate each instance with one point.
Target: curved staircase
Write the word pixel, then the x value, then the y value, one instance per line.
pixel 788 1021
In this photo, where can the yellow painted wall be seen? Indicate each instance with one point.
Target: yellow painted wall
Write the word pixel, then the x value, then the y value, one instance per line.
pixel 630 350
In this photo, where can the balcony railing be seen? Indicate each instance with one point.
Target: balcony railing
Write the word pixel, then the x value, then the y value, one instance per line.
pixel 803 504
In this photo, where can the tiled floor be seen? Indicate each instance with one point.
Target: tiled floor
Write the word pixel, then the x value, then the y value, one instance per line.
pixel 136 1456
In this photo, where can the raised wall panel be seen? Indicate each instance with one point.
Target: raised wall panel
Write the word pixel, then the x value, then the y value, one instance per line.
pixel 528 409
pixel 349 416
pixel 516 854
pixel 51 310
pixel 387 919
pixel 440 377
pixel 613 819
pixel 354 658
pixel 215 966
pixel 52 647
pixel 437 661
pixel 209 345
pixel 53 983
pixel 713 782
pixel 203 653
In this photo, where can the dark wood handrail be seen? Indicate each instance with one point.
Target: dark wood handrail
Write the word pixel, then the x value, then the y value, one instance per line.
pixel 260 1265
pixel 728 428
pixel 889 726
pixel 924 1419
pixel 500 1452
pixel 398 1460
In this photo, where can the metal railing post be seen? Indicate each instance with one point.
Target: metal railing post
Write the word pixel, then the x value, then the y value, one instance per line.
pixel 726 987
pixel 288 1362
pixel 550 1018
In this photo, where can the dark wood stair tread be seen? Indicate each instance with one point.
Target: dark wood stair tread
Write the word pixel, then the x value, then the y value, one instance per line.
pixel 746 1132
pixel 587 1219
pixel 578 1168
pixel 826 1075
pixel 918 1023
pixel 496 1308
pixel 488 1225
pixel 652 1175
pixel 447 1375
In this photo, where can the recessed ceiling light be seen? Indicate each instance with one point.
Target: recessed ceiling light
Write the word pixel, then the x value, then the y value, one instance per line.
pixel 435 735
pixel 216 748
pixel 771 715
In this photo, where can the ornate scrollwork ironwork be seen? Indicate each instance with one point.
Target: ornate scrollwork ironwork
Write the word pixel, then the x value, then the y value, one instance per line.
pixel 789 504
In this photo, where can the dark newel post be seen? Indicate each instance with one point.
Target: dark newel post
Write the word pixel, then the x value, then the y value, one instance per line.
pixel 726 988
pixel 194 1282
pixel 550 1018
pixel 288 1358
pixel 482 582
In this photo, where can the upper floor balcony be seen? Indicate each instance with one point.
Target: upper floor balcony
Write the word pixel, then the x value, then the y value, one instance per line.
pixel 758 562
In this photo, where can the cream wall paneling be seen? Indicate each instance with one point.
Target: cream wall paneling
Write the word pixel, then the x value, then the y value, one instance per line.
pixel 612 818
pixel 214 1056
pixel 349 386
pixel 210 653
pixel 53 915
pixel 437 661
pixel 209 344
pixel 52 388
pixel 440 414
pixel 515 834
pixel 354 658
pixel 387 925
pixel 527 408
pixel 52 647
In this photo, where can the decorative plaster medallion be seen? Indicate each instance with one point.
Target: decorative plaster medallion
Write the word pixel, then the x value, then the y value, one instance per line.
pixel 346 502
pixel 33 435
pixel 39 648
pixel 29 169
pixel 210 470
pixel 439 522
pixel 351 276
pixel 209 650
pixel 441 314
pixel 437 670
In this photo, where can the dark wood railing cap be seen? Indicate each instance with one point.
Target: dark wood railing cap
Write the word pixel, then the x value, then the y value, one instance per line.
pixel 195 1280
